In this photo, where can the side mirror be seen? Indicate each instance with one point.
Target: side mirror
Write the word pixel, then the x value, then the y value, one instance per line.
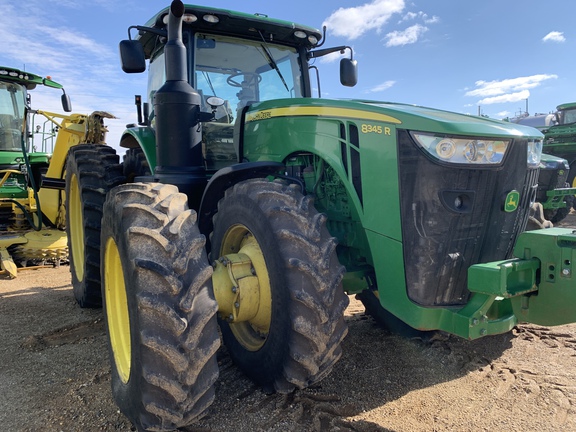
pixel 348 72
pixel 132 56
pixel 66 104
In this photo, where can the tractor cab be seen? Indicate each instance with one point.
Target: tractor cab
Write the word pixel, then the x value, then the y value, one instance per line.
pixel 566 114
pixel 239 58
pixel 12 114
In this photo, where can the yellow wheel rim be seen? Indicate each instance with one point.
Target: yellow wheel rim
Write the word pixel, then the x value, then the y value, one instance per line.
pixel 76 228
pixel 251 334
pixel 117 310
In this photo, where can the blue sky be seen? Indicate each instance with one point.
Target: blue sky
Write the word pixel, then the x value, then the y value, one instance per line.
pixel 485 56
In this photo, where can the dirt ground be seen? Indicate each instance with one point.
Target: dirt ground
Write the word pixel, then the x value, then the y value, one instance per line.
pixel 55 376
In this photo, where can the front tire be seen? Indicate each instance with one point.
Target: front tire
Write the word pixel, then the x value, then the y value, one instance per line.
pixel 289 334
pixel 159 307
pixel 91 171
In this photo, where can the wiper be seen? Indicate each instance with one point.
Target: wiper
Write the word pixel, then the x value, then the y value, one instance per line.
pixel 271 61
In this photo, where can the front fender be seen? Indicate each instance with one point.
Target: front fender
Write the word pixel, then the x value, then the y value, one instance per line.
pixel 143 137
pixel 226 178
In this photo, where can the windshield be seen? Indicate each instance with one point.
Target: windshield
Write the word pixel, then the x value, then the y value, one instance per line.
pixel 242 72
pixel 12 111
pixel 567 116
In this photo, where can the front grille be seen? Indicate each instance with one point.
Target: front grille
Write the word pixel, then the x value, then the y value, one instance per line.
pixel 442 241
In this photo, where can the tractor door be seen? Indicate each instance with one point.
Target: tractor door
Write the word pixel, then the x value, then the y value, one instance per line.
pixel 241 72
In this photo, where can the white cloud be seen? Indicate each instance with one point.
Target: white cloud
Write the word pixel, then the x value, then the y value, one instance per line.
pixel 88 69
pixel 554 36
pixel 497 88
pixel 432 20
pixel 409 16
pixel 509 97
pixel 382 87
pixel 353 22
pixel 405 37
pixel 423 16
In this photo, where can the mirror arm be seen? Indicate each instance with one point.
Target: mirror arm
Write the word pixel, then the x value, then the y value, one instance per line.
pixel 326 51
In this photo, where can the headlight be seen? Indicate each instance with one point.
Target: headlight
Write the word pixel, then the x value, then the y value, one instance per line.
pixel 477 151
pixel 534 153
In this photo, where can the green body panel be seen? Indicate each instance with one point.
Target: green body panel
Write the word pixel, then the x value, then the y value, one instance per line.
pixel 10 158
pixel 279 137
pixel 15 185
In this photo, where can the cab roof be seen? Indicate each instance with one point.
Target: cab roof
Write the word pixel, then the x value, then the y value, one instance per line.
pixel 27 79
pixel 234 24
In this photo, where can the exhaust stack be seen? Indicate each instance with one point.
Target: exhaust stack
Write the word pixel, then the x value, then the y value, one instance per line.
pixel 177 110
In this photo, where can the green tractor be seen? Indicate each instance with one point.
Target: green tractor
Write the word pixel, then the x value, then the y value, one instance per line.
pixel 249 204
pixel 554 192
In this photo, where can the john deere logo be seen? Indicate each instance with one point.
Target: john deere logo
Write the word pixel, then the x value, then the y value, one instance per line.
pixel 512 200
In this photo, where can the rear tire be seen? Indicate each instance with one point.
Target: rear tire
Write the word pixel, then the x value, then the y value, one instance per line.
pixel 298 341
pixel 91 171
pixel 159 307
pixel 134 164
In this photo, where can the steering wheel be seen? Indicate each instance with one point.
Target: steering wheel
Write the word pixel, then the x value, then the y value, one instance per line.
pixel 249 79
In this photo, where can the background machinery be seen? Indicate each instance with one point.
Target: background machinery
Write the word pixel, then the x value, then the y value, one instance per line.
pixel 557 184
pixel 29 232
pixel 246 202
pixel 34 145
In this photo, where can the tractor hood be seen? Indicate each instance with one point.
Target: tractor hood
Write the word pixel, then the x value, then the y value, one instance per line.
pixel 403 116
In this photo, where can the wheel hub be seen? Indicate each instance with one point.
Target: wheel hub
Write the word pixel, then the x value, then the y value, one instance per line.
pixel 242 287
